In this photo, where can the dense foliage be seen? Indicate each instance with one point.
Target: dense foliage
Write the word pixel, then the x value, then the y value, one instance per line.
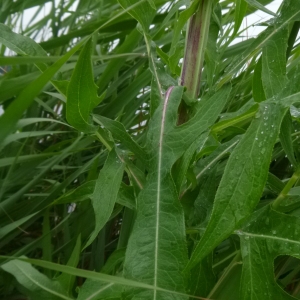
pixel 149 150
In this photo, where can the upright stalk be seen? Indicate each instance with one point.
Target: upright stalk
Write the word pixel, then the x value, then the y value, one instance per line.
pixel 196 41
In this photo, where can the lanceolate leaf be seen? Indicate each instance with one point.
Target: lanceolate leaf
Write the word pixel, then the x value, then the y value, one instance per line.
pixel 243 180
pixel 106 191
pixel 37 285
pixel 96 276
pixel 268 235
pixel 82 92
pixel 156 252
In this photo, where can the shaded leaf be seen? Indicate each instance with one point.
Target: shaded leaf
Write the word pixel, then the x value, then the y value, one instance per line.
pixel 36 284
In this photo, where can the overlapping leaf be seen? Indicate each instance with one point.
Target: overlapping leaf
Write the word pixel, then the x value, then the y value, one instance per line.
pixel 106 191
pixel 151 255
pixel 268 235
pixel 244 179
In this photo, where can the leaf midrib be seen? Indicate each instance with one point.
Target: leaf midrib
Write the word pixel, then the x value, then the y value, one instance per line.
pixel 159 165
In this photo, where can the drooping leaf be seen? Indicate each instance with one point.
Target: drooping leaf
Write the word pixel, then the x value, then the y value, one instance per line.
pixel 106 191
pixel 97 276
pixel 36 284
pixel 82 92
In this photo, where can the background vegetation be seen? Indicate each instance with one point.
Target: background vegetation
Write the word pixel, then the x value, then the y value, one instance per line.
pixel 116 183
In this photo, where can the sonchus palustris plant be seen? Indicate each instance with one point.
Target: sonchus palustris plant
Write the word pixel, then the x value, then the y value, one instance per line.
pixel 148 152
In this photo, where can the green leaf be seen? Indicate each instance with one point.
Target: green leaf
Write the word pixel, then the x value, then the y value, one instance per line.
pixel 161 80
pixel 240 11
pixel 66 280
pixel 261 7
pixel 37 285
pixel 95 290
pixel 119 132
pixel 20 44
pixel 257 86
pixel 106 191
pixel 82 95
pixel 116 64
pixel 268 235
pixel 203 278
pixel 273 73
pixel 85 191
pixel 181 168
pixel 243 180
pixel 15 110
pixel 4 230
pixel 289 13
pixel 97 276
pixel 159 224
pixel 143 13
pixel 286 138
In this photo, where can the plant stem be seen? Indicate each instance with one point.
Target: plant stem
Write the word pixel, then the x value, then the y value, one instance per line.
pixel 196 41
pixel 235 261
pixel 277 202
